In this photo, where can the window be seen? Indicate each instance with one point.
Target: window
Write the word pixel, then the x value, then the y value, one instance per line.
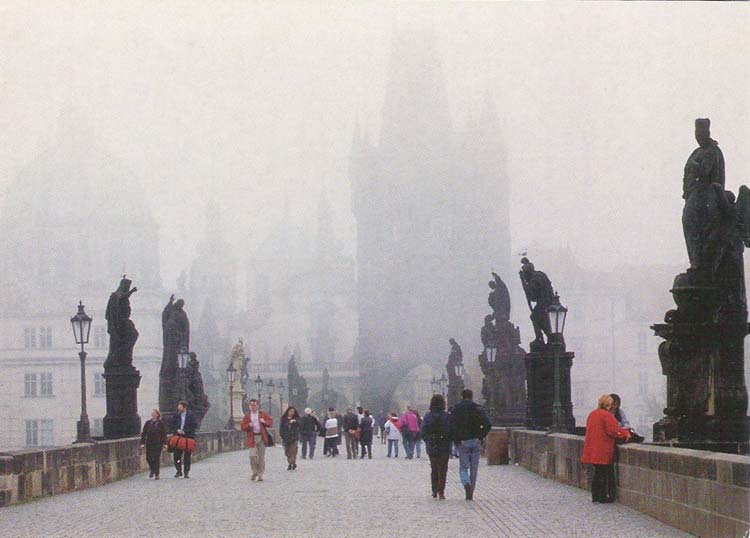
pixel 642 343
pixel 99 385
pixel 29 337
pixel 45 337
pixel 32 433
pixel 45 384
pixel 46 434
pixel 97 428
pixel 100 337
pixel 29 385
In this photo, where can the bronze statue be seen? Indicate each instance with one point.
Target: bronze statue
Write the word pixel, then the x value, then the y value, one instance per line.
pixel 175 338
pixel 538 290
pixel 196 395
pixel 121 329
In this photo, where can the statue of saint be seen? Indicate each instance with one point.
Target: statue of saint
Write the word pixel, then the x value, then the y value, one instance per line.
pixel 499 299
pixel 538 290
pixel 196 395
pixel 121 329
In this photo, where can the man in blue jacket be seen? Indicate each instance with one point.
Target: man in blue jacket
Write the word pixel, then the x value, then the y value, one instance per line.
pixel 469 425
pixel 183 423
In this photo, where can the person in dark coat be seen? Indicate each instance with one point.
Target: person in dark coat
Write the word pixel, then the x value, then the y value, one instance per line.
pixel 602 430
pixel 310 427
pixel 366 427
pixel 290 433
pixel 184 424
pixel 154 439
pixel 436 433
pixel 469 426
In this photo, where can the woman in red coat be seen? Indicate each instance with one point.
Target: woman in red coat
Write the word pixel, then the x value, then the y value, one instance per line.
pixel 602 429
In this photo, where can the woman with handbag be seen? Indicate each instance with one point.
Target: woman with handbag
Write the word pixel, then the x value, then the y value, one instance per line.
pixel 290 434
pixel 436 428
pixel 154 438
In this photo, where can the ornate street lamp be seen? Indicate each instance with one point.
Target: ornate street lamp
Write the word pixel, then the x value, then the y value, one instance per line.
pixel 81 328
pixel 231 376
pixel 443 384
pixel 557 314
pixel 434 385
pixel 281 396
pixel 258 386
pixel 459 369
pixel 183 358
pixel 270 388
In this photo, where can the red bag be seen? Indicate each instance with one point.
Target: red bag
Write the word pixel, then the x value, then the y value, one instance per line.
pixel 180 442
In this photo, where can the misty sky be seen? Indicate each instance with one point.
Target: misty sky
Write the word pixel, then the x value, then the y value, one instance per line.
pixel 257 102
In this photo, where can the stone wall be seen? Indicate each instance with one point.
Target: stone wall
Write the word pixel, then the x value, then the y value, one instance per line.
pixel 26 474
pixel 704 493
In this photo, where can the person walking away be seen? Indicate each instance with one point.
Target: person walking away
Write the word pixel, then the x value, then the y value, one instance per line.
pixel 409 429
pixel 436 432
pixel 309 428
pixel 330 448
pixel 290 432
pixel 350 425
pixel 365 435
pixel 469 426
pixel 154 438
pixel 184 425
pixel 392 430
pixel 256 423
pixel 602 430
pixel 418 435
pixel 380 421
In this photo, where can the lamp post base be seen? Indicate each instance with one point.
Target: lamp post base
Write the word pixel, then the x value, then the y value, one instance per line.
pixel 83 431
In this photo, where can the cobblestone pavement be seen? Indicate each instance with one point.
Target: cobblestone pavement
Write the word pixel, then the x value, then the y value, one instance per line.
pixel 384 498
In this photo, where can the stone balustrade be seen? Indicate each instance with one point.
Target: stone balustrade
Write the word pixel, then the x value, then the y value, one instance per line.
pixel 704 493
pixel 26 474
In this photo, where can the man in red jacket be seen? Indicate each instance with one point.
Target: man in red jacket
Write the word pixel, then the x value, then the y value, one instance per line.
pixel 256 424
pixel 602 429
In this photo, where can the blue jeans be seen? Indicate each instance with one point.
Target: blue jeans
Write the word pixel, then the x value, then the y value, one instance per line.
pixel 468 457
pixel 308 443
pixel 408 438
pixel 393 443
pixel 418 446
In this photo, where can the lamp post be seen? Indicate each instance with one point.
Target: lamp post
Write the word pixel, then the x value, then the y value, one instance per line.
pixel 81 328
pixel 183 358
pixel 443 383
pixel 557 314
pixel 231 376
pixel 435 385
pixel 258 386
pixel 269 388
pixel 281 396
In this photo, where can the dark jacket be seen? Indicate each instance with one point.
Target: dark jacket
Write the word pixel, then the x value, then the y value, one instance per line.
pixel 436 432
pixel 190 424
pixel 469 421
pixel 289 430
pixel 309 425
pixel 154 433
pixel 365 427
pixel 351 422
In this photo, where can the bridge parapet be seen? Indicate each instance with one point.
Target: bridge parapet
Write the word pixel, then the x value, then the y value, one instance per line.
pixel 26 474
pixel 704 493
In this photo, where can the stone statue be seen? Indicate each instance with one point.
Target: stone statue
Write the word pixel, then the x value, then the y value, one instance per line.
pixel 538 290
pixel 488 333
pixel 455 383
pixel 196 395
pixel 296 385
pixel 499 299
pixel 175 338
pixel 122 332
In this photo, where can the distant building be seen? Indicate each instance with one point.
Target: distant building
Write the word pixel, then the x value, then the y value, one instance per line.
pixel 74 221
pixel 431 203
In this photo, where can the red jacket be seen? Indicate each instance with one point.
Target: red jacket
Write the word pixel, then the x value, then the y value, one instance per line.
pixel 247 426
pixel 602 429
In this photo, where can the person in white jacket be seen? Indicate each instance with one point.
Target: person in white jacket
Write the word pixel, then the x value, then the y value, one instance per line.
pixel 392 429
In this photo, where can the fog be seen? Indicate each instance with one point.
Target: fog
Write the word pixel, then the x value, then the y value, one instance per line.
pixel 244 114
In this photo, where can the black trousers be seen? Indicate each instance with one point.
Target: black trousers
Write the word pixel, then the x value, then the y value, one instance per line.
pixel 603 484
pixel 182 461
pixel 439 465
pixel 153 458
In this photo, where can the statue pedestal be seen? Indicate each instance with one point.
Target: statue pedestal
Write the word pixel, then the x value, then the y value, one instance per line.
pixel 509 407
pixel 237 413
pixel 540 387
pixel 706 394
pixel 122 418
